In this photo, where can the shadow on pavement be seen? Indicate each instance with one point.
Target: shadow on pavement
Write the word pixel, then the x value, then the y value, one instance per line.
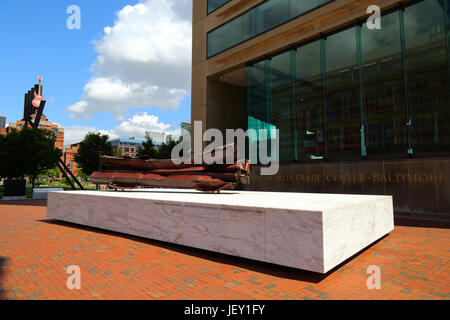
pixel 3 261
pixel 253 265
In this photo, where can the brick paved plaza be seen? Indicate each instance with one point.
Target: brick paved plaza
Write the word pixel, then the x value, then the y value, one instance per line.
pixel 35 253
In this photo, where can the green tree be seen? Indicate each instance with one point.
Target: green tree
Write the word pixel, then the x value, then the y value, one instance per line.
pixel 165 151
pixel 29 152
pixel 118 153
pixel 83 176
pixel 48 174
pixel 148 148
pixel 88 156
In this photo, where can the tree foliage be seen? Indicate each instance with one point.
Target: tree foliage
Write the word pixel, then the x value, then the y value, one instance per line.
pixel 165 151
pixel 118 153
pixel 27 152
pixel 88 156
pixel 82 175
pixel 148 148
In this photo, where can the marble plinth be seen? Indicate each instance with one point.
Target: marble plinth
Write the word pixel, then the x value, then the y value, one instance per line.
pixel 314 232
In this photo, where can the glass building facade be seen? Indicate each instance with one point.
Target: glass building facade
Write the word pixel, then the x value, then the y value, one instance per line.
pixel 265 16
pixel 357 93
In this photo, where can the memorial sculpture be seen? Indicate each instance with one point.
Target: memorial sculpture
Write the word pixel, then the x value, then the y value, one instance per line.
pixel 315 232
pixel 142 172
pixel 33 109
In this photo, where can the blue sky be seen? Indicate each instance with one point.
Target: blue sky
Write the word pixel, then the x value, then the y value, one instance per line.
pixel 36 41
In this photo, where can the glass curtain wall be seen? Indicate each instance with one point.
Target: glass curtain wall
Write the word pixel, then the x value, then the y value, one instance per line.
pixel 258 102
pixel 384 88
pixel 360 92
pixel 263 17
pixel 282 103
pixel 427 76
pixel 309 86
pixel 343 100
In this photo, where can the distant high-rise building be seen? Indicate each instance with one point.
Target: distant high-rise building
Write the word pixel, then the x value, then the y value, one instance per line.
pixel 172 137
pixel 185 129
pixel 157 137
pixel 2 125
pixel 186 126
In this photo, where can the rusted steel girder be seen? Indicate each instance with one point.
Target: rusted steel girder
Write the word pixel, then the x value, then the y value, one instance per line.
pixel 135 179
pixel 167 174
pixel 167 164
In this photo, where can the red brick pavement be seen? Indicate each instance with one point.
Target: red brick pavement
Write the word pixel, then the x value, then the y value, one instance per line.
pixel 35 253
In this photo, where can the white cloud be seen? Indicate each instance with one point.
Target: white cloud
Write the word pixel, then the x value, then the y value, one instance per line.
pixel 133 127
pixel 143 60
pixel 78 107
pixel 76 134
pixel 138 125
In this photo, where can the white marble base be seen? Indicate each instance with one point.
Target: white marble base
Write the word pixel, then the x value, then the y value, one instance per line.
pixel 42 193
pixel 313 232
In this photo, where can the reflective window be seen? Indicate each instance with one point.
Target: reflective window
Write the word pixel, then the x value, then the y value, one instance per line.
pixel 227 36
pixel 282 109
pixel 270 14
pixel 427 76
pixel 258 104
pixel 343 99
pixel 215 4
pixel 300 7
pixel 384 90
pixel 267 15
pixel 309 100
pixel 359 92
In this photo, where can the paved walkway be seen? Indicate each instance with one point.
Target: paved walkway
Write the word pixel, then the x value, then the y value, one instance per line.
pixel 35 253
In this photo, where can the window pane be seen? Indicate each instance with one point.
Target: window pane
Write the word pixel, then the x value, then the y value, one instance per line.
pixel 215 4
pixel 309 99
pixel 384 92
pixel 427 76
pixel 343 101
pixel 282 105
pixel 226 36
pixel 271 14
